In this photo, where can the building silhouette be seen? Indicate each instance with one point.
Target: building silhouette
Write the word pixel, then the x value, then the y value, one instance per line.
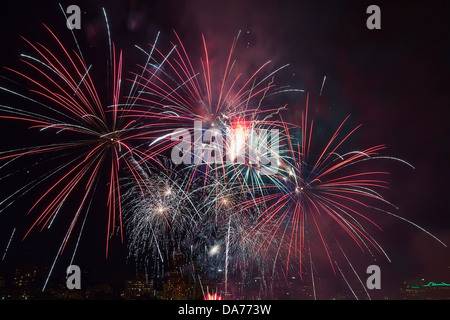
pixel 419 289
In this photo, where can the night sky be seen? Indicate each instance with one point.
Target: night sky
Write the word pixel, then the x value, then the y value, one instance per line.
pixel 394 81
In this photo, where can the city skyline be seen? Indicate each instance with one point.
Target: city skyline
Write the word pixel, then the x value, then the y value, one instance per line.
pixel 23 284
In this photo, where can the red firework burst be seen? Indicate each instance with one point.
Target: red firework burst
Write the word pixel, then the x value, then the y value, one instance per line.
pixel 70 105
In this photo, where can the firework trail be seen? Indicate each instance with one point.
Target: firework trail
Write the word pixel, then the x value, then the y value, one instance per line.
pixel 9 242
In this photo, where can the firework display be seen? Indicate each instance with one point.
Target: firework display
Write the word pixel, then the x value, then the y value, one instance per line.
pixel 199 171
pixel 71 104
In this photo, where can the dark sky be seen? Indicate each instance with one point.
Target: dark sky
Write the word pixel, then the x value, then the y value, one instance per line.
pixel 394 81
